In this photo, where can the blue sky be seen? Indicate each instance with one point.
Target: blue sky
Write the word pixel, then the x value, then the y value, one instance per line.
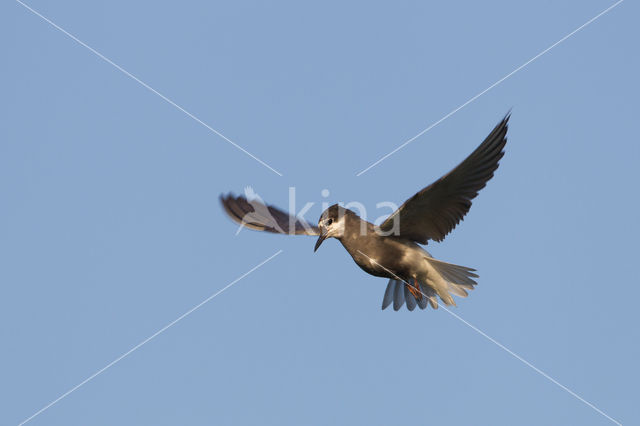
pixel 110 226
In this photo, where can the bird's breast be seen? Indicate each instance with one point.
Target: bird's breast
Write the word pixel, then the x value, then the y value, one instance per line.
pixel 382 256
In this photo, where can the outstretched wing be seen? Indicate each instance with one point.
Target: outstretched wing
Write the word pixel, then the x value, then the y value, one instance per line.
pixel 434 211
pixel 256 215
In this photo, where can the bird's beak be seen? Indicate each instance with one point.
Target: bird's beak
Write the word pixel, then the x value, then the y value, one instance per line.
pixel 321 238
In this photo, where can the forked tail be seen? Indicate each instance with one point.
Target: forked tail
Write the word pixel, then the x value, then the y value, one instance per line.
pixel 441 279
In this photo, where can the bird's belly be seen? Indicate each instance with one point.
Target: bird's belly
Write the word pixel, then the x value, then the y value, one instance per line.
pixel 390 261
pixel 374 269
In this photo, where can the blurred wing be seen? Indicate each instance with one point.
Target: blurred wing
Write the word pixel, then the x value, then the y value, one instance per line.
pixel 434 211
pixel 256 215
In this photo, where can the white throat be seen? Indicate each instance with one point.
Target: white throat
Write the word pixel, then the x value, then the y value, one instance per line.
pixel 336 229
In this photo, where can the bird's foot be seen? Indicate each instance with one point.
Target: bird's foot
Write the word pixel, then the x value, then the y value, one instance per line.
pixel 415 290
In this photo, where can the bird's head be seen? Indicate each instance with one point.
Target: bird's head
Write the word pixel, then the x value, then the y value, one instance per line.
pixel 331 224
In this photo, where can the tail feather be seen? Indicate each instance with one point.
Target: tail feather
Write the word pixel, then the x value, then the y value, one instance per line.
pixel 442 279
pixel 388 294
pixel 457 277
pixel 430 294
pixel 398 296
pixel 409 298
pixel 457 290
pixel 460 275
pixel 451 278
pixel 398 292
pixel 422 302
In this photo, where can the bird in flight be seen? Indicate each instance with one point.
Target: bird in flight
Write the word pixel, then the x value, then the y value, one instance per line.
pixel 393 249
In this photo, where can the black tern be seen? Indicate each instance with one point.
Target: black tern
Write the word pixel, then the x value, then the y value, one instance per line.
pixel 393 249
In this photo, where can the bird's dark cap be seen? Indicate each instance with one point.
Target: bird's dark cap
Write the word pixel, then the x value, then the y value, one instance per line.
pixel 334 212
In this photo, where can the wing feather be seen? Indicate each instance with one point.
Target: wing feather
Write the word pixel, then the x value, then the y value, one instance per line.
pixel 436 210
pixel 261 217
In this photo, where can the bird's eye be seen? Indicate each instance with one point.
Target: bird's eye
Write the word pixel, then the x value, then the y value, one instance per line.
pixel 329 222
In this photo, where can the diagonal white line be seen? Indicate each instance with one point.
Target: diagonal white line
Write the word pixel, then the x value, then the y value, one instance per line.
pixel 145 85
pixel 503 347
pixel 527 363
pixel 145 341
pixel 490 87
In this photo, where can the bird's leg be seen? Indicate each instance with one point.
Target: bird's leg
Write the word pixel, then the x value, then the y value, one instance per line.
pixel 415 289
